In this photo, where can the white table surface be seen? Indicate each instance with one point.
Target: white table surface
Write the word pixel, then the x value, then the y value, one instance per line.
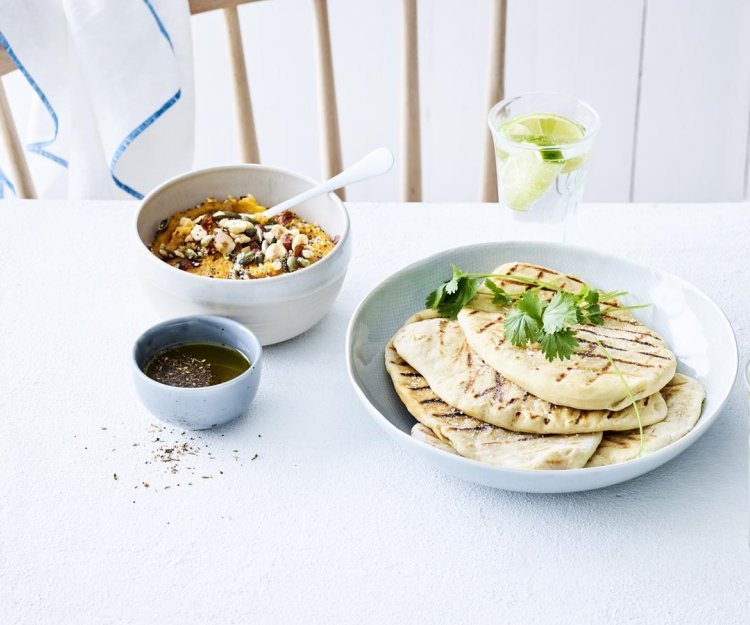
pixel 332 522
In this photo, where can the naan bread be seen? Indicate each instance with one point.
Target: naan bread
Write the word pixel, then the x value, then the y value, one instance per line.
pixel 587 380
pixel 684 397
pixel 427 436
pixel 438 350
pixel 481 441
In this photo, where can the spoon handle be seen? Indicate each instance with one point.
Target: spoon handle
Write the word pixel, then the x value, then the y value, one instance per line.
pixel 374 164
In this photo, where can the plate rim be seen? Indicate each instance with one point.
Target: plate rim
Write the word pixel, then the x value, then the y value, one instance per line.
pixel 665 454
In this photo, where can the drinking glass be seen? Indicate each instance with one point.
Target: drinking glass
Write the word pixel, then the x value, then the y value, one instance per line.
pixel 542 147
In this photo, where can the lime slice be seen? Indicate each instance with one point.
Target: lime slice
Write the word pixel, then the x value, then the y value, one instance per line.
pixel 542 129
pixel 548 129
pixel 524 178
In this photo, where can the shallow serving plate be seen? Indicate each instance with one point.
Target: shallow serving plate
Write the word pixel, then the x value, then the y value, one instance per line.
pixel 693 325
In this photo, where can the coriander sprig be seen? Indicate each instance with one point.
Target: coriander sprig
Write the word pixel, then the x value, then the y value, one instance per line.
pixel 530 319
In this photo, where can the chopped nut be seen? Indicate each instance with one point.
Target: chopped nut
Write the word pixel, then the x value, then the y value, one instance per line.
pixel 278 230
pixel 275 251
pixel 198 233
pixel 235 226
pixel 307 253
pixel 223 242
pixel 300 239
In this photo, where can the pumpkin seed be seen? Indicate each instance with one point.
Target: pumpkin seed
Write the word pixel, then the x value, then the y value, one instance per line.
pixel 245 258
pixel 163 252
pixel 179 254
pixel 225 215
pixel 303 262
pixel 190 254
pixel 163 225
pixel 291 263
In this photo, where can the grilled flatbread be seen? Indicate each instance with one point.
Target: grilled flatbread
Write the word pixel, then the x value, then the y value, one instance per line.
pixel 438 350
pixel 481 441
pixel 684 397
pixel 587 380
pixel 427 436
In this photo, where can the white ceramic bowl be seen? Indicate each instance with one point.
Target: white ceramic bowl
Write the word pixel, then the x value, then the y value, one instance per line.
pixel 275 309
pixel 693 325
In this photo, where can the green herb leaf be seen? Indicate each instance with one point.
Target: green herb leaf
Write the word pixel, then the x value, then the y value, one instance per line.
pixel 500 296
pixel 449 298
pixel 532 305
pixel 560 313
pixel 452 285
pixel 433 299
pixel 559 344
pixel 523 324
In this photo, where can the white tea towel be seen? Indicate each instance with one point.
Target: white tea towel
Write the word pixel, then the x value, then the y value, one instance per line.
pixel 113 95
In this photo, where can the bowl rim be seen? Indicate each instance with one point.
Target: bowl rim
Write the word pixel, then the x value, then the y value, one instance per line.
pixel 255 363
pixel 176 180
pixel 667 452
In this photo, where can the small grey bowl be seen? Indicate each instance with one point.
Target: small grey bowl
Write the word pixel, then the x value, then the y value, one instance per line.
pixel 205 407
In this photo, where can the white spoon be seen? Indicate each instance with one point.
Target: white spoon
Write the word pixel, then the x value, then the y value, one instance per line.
pixel 374 164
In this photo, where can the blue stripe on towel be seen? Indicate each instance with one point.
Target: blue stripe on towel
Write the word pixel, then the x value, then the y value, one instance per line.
pixel 147 122
pixel 39 146
pixel 5 181
pixel 159 23
pixel 132 136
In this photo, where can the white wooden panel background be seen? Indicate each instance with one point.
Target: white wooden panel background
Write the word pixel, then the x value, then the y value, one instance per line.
pixel 670 78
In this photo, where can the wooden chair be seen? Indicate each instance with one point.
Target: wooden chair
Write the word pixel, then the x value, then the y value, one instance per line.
pixel 329 125
pixel 330 138
pixel 411 174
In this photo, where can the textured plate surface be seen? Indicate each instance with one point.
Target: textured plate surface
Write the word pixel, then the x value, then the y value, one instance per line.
pixel 692 324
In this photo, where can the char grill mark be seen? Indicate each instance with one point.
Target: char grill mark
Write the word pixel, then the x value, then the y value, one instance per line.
pixel 441 331
pixel 498 388
pixel 488 325
pixel 451 413
pixel 607 332
pixel 590 351
pixel 622 361
pixel 519 439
